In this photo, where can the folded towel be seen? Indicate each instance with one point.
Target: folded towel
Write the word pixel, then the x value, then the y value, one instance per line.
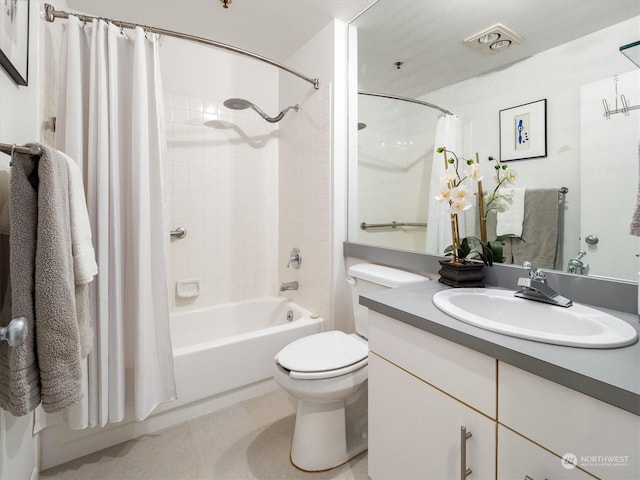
pixel 19 375
pixel 84 258
pixel 58 335
pixel 43 287
pixel 539 230
pixel 634 227
pixel 510 221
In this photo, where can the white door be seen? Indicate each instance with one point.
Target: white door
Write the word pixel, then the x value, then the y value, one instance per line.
pixel 609 177
pixel 17 447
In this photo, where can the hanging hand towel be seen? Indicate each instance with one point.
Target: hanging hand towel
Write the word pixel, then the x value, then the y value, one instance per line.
pixel 58 334
pixel 511 220
pixel 19 375
pixel 84 258
pixel 634 227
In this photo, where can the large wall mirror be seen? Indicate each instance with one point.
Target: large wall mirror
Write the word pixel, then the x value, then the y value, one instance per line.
pixel 566 52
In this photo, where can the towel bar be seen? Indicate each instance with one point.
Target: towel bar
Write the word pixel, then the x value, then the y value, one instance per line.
pixel 15 333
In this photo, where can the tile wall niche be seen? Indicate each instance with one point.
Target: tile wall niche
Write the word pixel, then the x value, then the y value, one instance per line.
pixel 223 189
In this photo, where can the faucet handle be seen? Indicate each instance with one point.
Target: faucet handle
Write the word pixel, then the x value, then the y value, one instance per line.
pixel 534 272
pixel 295 258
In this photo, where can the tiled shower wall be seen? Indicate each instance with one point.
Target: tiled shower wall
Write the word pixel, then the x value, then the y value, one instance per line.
pixel 223 190
pixel 222 174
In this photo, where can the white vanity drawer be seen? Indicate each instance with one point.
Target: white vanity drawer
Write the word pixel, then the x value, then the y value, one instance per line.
pixel 605 439
pixel 462 373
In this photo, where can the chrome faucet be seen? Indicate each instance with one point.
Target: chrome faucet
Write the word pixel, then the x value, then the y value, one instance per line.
pixel 535 288
pixel 576 265
pixel 288 286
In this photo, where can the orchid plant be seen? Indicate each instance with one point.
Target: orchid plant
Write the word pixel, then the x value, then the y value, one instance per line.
pixel 454 191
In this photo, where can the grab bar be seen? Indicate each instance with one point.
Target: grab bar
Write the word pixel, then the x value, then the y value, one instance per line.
pixel 179 232
pixel 364 225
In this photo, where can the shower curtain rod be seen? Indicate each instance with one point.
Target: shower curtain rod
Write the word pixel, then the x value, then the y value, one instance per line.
pixel 51 14
pixel 404 99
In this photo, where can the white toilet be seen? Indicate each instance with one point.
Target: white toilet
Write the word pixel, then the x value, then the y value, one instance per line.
pixel 327 373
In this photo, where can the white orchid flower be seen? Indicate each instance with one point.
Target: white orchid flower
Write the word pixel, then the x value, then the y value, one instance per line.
pixel 473 172
pixel 450 175
pixel 445 192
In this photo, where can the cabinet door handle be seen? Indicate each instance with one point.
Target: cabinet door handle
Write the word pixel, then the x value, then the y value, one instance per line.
pixel 527 477
pixel 464 435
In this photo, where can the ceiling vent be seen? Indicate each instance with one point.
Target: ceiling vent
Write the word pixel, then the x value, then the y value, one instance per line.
pixel 494 39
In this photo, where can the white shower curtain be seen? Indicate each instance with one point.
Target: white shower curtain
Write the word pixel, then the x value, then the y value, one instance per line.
pixel 110 121
pixel 449 135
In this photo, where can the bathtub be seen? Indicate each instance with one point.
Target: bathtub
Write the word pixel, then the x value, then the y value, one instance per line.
pixel 222 355
pixel 227 347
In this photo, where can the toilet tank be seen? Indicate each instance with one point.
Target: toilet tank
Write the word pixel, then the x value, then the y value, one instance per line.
pixel 365 278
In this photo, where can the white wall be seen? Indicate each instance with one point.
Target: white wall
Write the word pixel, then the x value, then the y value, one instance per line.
pixel 557 75
pixel 20 123
pixel 305 174
pixel 222 178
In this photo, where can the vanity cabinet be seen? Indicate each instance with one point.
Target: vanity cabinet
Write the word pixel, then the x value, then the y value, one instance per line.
pixel 604 439
pixel 424 388
pixel 415 421
pixel 519 458
pixel 415 430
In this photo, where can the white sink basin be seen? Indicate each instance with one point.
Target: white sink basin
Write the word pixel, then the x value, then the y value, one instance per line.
pixel 499 311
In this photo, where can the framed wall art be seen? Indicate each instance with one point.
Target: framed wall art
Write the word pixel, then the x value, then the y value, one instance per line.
pixel 14 39
pixel 523 131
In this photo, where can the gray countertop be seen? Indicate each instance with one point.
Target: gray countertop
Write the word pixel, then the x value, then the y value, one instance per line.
pixel 610 375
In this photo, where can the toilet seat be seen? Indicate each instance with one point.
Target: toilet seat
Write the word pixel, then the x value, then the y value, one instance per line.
pixel 323 355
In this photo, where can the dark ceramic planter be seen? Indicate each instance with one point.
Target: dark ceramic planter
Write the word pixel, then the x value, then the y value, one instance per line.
pixel 461 274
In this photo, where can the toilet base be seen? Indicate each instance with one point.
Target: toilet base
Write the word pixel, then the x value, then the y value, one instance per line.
pixel 328 434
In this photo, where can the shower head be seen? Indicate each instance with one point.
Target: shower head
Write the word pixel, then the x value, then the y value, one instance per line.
pixel 242 104
pixel 237 103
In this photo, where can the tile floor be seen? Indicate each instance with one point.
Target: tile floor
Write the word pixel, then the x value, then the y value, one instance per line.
pixel 249 440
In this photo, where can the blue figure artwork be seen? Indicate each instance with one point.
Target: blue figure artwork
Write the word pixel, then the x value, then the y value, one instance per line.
pixel 522 131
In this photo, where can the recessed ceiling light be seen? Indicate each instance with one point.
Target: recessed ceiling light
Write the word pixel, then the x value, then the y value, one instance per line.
pixel 489 37
pixel 500 44
pixel 494 39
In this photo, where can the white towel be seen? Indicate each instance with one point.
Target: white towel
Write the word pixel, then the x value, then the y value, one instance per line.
pixel 84 258
pixel 511 220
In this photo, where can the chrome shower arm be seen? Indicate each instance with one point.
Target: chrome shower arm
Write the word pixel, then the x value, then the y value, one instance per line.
pixel 275 119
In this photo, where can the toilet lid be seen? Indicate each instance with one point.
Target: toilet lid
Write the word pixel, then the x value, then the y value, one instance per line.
pixel 322 352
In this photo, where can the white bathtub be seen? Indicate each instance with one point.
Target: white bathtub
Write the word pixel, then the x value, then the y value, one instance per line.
pixel 219 349
pixel 222 355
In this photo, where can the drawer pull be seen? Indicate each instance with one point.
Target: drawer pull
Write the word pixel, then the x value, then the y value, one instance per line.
pixel 527 477
pixel 464 435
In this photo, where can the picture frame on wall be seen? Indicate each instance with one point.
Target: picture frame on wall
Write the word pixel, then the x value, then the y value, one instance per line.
pixel 523 131
pixel 14 39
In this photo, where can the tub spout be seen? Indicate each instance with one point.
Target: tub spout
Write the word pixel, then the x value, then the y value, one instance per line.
pixel 284 286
